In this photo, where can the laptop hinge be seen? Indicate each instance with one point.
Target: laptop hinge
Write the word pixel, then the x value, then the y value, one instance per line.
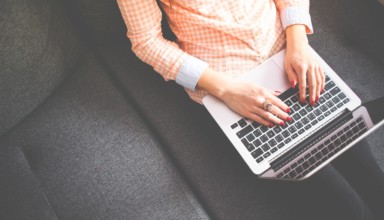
pixel 311 140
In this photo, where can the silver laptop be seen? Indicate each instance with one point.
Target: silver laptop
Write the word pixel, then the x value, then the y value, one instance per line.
pixel 315 136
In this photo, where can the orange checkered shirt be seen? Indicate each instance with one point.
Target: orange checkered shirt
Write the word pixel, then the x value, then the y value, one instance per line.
pixel 230 36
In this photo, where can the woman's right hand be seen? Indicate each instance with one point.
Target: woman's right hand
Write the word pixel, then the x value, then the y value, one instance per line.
pixel 247 99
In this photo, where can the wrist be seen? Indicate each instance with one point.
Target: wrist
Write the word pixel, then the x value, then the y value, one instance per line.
pixel 213 82
pixel 296 36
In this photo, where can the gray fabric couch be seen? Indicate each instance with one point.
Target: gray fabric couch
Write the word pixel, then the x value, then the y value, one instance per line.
pixel 87 131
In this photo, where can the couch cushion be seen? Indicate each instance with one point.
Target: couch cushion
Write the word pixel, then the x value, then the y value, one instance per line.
pixel 20 193
pixel 96 159
pixel 38 49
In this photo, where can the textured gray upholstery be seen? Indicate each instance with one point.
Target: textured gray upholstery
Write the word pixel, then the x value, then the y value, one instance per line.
pixel 38 49
pixel 95 159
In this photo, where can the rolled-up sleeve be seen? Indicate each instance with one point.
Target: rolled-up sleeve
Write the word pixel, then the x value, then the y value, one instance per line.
pixel 294 12
pixel 143 21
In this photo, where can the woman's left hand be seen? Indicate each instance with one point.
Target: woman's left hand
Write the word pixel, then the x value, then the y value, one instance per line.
pixel 302 66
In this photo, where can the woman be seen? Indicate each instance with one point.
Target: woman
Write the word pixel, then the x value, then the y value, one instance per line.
pixel 218 41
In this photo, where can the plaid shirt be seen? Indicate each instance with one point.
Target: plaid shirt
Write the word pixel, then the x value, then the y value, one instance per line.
pixel 229 36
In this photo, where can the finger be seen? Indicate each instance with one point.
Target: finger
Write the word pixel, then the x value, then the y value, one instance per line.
pixel 291 75
pixel 269 116
pixel 322 75
pixel 259 119
pixel 275 110
pixel 302 83
pixel 312 85
pixel 279 103
pixel 319 82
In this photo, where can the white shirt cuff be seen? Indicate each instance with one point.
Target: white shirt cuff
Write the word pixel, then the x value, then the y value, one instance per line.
pixel 295 15
pixel 190 72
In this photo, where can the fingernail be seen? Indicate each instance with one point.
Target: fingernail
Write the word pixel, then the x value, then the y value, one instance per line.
pixel 322 90
pixel 278 91
pixel 317 98
pixel 282 124
pixel 302 101
pixel 271 125
pixel 288 110
pixel 293 83
pixel 312 103
pixel 289 118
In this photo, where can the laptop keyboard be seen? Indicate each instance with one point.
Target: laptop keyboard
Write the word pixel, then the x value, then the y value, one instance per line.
pixel 324 151
pixel 262 141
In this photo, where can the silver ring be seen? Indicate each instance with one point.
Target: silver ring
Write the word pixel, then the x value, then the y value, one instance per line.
pixel 267 105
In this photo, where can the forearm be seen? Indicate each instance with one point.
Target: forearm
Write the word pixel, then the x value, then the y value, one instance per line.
pixel 296 36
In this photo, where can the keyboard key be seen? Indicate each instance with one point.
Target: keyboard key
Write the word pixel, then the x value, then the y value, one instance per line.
pixel 257 133
pixel 263 138
pixel 332 146
pixel 333 109
pixel 298 125
pixel 307 156
pixel 280 145
pixel 265 147
pixel 301 131
pixel 259 159
pixel 257 153
pixel 285 133
pixel 288 102
pixel 318 156
pixel 301 160
pixel 341 95
pixel 340 105
pixel 311 116
pixel 321 100
pixel 327 78
pixel 336 100
pixel 234 126
pixel 257 143
pixel 309 108
pixel 287 170
pixel 273 150
pixel 296 116
pixel 255 125
pixel 277 129
pixel 321 117
pixel 345 101
pixel 250 137
pixel 343 138
pixel 323 108
pixel 267 155
pixel 305 165
pixel 349 134
pixel 280 175
pixel 314 122
pixel 294 136
pixel 329 104
pixel 359 119
pixel 292 129
pixel 317 112
pixel 263 128
pixel 244 131
pixel 287 140
pixel 327 96
pixel 335 90
pixel 296 107
pixel 245 142
pixel 279 138
pixel 352 124
pixel 272 142
pixel 302 112
pixel 361 125
pixel 270 134
pixel 305 120
pixel 242 123
pixel 314 151
pixel 327 113
pixel 333 138
pixel 308 126
pixel 329 85
pixel 324 151
pixel 250 147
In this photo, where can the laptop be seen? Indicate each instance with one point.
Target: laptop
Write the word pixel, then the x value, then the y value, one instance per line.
pixel 316 135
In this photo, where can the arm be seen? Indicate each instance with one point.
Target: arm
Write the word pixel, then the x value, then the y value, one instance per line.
pixel 300 65
pixel 143 20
